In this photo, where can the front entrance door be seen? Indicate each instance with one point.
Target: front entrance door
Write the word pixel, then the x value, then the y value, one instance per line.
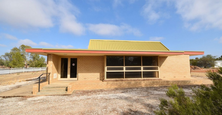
pixel 73 67
pixel 68 68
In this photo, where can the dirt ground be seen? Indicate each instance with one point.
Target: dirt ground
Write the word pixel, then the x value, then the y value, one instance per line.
pixel 98 102
pixel 95 102
pixel 8 79
pixel 198 74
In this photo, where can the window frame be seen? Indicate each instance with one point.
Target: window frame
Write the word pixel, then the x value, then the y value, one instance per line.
pixel 124 69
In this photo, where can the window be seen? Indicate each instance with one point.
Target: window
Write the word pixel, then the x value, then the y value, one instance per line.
pixel 150 74
pixel 114 61
pixel 133 75
pixel 115 75
pixel 127 67
pixel 150 61
pixel 132 61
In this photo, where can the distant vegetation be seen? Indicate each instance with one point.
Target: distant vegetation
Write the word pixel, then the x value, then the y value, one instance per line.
pixel 204 101
pixel 205 61
pixel 17 57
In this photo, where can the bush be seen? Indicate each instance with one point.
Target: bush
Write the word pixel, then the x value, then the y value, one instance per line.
pixel 205 101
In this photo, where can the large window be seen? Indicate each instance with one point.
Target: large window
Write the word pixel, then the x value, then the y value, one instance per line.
pixel 132 61
pixel 150 60
pixel 123 67
pixel 114 61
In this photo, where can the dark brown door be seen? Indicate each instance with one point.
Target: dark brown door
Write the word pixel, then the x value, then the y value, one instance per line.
pixel 64 67
pixel 73 68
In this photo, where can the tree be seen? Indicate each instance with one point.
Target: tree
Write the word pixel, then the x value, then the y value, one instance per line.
pixel 194 62
pixel 36 61
pixel 1 61
pixel 17 57
pixel 17 60
pixel 219 58
pixel 206 61
pixel 7 58
pixel 14 50
pixel 24 53
pixel 205 101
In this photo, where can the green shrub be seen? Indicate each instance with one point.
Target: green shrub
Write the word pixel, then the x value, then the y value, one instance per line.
pixel 205 100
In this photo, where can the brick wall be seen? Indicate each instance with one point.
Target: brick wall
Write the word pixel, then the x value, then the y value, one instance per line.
pixel 90 67
pixel 53 66
pixel 92 85
pixel 174 67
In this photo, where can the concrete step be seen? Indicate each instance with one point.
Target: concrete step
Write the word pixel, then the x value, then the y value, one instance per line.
pixel 45 91
pixel 54 89
pixel 52 93
pixel 49 86
pixel 59 84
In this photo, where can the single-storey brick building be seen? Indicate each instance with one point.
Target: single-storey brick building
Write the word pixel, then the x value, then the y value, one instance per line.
pixel 108 64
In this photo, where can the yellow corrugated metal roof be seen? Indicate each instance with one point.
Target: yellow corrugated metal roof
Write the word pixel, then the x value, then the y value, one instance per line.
pixel 126 45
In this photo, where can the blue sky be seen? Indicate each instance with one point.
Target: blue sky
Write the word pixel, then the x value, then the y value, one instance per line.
pixel 190 25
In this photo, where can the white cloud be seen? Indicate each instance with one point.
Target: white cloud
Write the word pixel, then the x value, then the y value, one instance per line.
pixel 197 14
pixel 113 30
pixel 200 14
pixel 8 36
pixel 42 44
pixel 105 29
pixel 63 46
pixel 2 45
pixel 150 12
pixel 27 42
pixel 40 14
pixel 156 38
pixel 26 13
pixel 45 44
pixel 68 24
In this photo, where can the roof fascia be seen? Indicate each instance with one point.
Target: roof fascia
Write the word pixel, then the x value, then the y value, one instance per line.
pixel 114 52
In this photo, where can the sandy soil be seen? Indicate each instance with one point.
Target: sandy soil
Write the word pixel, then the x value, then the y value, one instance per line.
pixel 98 102
pixel 13 86
pixel 198 74
pixel 201 76
pixel 18 77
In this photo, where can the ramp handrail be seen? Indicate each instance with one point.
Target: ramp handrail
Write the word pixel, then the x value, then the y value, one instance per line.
pixel 47 76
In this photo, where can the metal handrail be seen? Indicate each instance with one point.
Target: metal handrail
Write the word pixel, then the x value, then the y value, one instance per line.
pixel 47 75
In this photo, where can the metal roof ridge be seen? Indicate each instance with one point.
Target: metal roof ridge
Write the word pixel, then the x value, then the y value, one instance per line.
pixel 120 40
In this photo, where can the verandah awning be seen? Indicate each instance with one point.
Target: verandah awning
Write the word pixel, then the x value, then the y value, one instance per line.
pixel 45 51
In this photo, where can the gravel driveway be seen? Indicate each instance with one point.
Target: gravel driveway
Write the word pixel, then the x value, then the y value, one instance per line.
pixel 98 102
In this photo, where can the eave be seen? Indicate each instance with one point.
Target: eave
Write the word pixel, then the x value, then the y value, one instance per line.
pixel 109 52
